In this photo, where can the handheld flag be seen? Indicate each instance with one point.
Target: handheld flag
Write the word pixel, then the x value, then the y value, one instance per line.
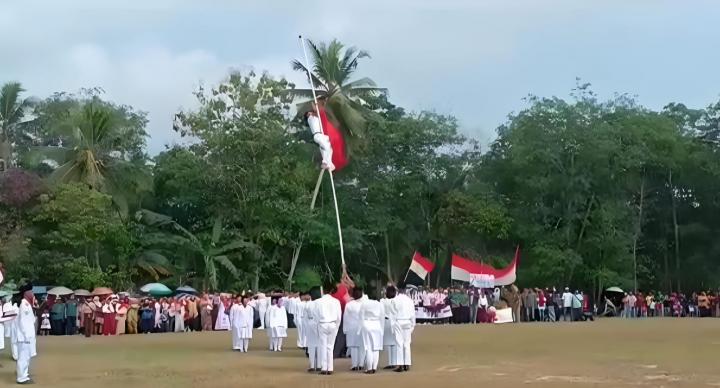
pixel 420 267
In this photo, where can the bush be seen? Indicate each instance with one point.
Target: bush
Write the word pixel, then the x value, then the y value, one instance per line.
pixel 306 278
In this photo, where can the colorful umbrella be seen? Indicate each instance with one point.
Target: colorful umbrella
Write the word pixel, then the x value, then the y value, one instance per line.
pixel 60 291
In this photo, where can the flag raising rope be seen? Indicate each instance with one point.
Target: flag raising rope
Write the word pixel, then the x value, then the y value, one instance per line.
pixel 339 159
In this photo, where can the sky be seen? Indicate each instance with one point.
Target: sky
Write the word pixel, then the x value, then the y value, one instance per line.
pixel 474 59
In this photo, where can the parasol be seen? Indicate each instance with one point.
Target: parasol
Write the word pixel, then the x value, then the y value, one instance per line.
pixel 186 290
pixel 99 291
pixel 81 292
pixel 614 289
pixel 156 289
pixel 60 291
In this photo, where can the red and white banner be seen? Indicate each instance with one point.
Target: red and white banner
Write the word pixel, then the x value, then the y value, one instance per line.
pixel 421 266
pixel 482 274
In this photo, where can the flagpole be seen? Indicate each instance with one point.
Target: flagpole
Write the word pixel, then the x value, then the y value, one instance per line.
pixel 332 181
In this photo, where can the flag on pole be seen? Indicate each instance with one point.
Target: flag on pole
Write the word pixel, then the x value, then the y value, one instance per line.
pixel 483 275
pixel 337 142
pixel 420 267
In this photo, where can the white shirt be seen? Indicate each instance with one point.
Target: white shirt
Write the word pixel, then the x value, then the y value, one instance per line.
pixel 371 310
pixel 25 329
pixel 277 316
pixel 314 124
pixel 403 308
pixel 327 309
pixel 567 299
pixel 351 317
pixel 483 300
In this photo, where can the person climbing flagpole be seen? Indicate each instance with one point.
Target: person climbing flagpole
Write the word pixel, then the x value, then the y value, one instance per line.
pixel 319 124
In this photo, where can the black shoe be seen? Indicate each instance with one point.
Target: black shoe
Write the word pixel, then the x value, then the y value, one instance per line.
pixel 399 369
pixel 369 372
pixel 390 367
pixel 28 382
pixel 406 368
pixel 318 370
pixel 311 370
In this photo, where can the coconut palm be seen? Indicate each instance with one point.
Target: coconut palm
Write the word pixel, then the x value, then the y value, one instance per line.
pixel 332 71
pixel 88 154
pixel 13 111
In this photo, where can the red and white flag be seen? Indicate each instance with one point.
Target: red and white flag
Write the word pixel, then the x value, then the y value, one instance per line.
pixel 337 142
pixel 421 266
pixel 483 275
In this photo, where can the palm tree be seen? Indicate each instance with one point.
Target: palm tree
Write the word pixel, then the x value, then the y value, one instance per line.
pixel 12 113
pixel 88 154
pixel 332 69
pixel 207 248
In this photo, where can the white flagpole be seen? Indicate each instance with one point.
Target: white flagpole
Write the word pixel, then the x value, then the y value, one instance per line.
pixel 332 182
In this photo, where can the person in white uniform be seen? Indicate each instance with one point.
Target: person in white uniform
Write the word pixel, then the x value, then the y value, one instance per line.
pixel 236 322
pixel 277 324
pixel 403 323
pixel 261 305
pixel 328 313
pixel 389 343
pixel 10 311
pixel 241 320
pixel 372 317
pixel 24 337
pixel 312 336
pixel 322 140
pixel 299 319
pixel 351 328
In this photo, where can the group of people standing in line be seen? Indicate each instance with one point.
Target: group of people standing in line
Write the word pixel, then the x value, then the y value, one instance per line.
pixel 656 304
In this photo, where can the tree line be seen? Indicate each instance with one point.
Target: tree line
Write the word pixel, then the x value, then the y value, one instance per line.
pixel 596 192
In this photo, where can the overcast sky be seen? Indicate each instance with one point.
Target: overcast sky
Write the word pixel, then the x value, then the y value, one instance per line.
pixel 474 59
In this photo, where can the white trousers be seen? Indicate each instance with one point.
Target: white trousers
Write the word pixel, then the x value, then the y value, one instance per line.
pixel 276 344
pixel 355 357
pixel 300 334
pixel 245 345
pixel 392 355
pixel 328 331
pixel 325 150
pixel 23 361
pixel 372 358
pixel 313 355
pixel 403 348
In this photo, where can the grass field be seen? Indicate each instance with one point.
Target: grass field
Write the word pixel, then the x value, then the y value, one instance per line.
pixel 607 353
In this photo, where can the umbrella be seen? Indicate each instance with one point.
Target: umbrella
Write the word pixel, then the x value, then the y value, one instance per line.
pixel 60 291
pixel 156 289
pixel 186 290
pixel 614 289
pixel 98 291
pixel 184 295
pixel 81 292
